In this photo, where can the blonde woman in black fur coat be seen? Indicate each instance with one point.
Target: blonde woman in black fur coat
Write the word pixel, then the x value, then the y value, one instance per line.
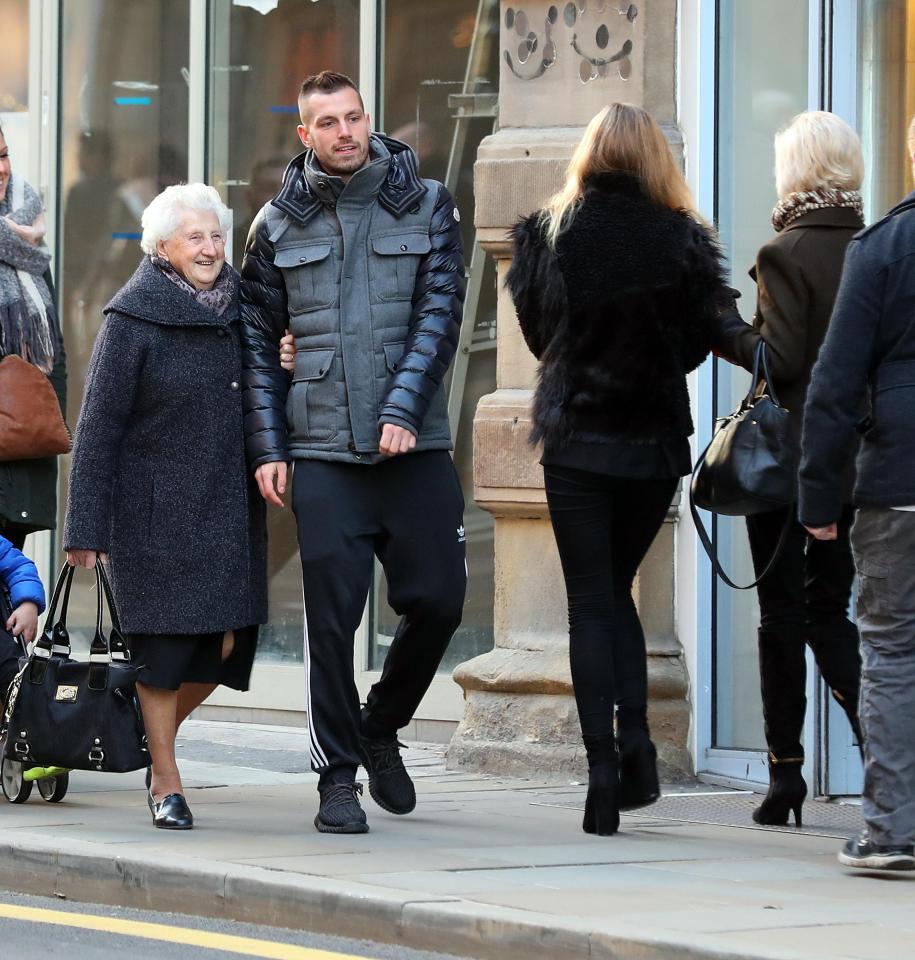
pixel 615 283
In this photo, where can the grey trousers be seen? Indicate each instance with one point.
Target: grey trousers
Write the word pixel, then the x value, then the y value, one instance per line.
pixel 883 543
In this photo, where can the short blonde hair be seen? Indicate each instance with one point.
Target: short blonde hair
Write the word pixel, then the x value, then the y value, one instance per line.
pixel 817 149
pixel 911 139
pixel 623 138
pixel 163 215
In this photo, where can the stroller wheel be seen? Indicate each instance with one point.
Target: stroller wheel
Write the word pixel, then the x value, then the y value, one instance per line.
pixel 54 789
pixel 15 788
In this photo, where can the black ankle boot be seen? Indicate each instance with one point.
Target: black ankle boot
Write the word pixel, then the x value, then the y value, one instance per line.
pixel 787 791
pixel 602 811
pixel 639 784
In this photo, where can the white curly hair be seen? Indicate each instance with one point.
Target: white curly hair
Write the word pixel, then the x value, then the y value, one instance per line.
pixel 162 216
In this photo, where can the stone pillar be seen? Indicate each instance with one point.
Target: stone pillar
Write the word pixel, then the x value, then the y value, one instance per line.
pixel 560 64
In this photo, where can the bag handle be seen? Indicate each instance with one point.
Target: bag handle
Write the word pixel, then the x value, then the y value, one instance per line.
pixel 706 542
pixel 760 361
pixel 55 639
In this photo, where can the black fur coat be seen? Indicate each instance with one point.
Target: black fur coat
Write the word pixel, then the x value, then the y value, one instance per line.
pixel 618 315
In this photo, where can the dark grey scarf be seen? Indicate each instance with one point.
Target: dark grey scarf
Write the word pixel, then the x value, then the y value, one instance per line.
pixel 27 319
pixel 217 299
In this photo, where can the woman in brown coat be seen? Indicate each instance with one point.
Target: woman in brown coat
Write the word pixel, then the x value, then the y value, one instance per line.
pixel 804 599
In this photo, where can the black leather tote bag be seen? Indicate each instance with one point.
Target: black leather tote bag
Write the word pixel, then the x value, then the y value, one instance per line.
pixel 71 713
pixel 749 467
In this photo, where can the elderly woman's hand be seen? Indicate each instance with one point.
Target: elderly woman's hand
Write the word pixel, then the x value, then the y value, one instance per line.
pixel 85 558
pixel 32 233
pixel 287 352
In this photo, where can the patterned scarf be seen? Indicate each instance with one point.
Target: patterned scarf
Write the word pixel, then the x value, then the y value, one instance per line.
pixel 28 323
pixel 797 204
pixel 217 299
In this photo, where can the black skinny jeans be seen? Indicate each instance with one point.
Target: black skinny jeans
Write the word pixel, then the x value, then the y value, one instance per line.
pixel 604 526
pixel 803 600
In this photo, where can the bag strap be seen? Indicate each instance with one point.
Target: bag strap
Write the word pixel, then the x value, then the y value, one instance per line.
pixel 761 363
pixel 706 542
pixel 117 643
pixel 55 639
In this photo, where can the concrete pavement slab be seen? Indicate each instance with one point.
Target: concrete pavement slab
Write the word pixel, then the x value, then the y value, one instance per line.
pixel 487 867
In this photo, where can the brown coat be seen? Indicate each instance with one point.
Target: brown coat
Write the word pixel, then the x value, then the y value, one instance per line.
pixel 797 274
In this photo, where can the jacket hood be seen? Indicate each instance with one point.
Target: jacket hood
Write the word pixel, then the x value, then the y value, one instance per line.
pixel 149 295
pixel 402 187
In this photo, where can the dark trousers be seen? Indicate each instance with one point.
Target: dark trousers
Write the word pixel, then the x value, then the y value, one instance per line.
pixel 407 512
pixel 604 526
pixel 803 600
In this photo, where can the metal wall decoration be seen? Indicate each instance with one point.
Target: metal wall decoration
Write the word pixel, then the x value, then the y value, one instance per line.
pixel 594 29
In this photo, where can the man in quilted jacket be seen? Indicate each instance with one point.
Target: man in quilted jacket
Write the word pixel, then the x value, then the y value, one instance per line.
pixel 361 260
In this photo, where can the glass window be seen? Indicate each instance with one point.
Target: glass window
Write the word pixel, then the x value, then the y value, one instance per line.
pixel 439 96
pixel 260 53
pixel 123 138
pixel 762 84
pixel 14 82
pixel 886 100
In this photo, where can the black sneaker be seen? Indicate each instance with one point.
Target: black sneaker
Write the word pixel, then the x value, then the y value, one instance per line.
pixel 389 783
pixel 862 852
pixel 340 810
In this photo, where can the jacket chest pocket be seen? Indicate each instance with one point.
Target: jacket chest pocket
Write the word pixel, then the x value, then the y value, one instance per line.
pixel 394 262
pixel 310 274
pixel 311 406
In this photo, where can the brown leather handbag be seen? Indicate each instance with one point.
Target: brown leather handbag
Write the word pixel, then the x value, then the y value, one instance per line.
pixel 31 424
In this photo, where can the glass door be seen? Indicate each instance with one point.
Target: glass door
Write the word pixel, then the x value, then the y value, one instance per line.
pixel 762 83
pixel 123 137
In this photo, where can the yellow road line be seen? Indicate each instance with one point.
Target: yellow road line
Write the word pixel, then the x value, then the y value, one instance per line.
pixel 187 936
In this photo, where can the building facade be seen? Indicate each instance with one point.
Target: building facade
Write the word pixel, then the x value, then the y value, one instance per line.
pixel 104 102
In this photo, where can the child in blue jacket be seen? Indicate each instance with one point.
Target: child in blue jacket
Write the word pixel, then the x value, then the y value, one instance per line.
pixel 19 578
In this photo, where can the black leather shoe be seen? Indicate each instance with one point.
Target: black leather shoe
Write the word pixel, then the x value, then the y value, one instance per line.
pixel 171 812
pixel 389 783
pixel 787 791
pixel 639 784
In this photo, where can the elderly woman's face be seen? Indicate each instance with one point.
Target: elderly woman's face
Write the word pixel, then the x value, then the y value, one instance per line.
pixel 5 168
pixel 197 249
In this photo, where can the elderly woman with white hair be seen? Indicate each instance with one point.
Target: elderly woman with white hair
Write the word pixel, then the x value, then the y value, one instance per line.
pixel 158 484
pixel 804 599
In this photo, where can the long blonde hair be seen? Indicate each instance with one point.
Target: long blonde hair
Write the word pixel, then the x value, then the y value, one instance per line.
pixel 627 139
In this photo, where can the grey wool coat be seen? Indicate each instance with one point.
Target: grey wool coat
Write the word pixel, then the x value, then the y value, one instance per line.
pixel 158 478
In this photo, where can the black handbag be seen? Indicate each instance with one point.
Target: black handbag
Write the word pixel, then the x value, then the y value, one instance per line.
pixel 749 467
pixel 76 714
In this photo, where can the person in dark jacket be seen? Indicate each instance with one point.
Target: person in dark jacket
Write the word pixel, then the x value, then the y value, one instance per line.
pixel 29 327
pixel 804 598
pixel 159 481
pixel 362 260
pixel 616 284
pixel 868 357
pixel 23 601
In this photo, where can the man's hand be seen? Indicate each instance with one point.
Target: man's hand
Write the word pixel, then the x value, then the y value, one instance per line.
pixel 287 352
pixel 271 481
pixel 395 440
pixel 829 532
pixel 85 558
pixel 24 621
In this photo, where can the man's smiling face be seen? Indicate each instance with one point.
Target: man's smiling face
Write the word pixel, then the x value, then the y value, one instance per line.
pixel 337 128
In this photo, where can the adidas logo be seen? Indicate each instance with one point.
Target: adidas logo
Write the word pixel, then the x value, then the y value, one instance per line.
pixel 462 538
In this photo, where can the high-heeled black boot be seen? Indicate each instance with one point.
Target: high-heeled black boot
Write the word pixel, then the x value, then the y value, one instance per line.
pixel 639 784
pixel 787 791
pixel 602 811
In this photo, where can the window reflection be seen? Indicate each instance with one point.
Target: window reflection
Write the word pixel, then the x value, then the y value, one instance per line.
pixel 258 62
pixel 427 88
pixel 762 85
pixel 124 129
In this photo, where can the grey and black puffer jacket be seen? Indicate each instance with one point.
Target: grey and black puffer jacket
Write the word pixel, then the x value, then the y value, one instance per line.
pixel 369 277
